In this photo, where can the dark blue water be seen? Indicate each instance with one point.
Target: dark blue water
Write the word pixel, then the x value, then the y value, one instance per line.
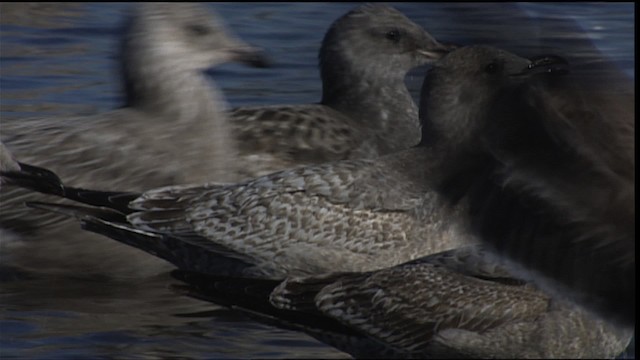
pixel 60 59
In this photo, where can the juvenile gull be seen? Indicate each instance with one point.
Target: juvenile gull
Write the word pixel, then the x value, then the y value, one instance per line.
pixel 548 170
pixel 366 109
pixel 352 215
pixel 455 304
pixel 172 130
pixel 467 308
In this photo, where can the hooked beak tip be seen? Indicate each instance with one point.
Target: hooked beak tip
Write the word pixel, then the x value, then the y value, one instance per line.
pixel 548 64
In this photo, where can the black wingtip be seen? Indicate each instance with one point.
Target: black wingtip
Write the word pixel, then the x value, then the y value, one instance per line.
pixel 115 200
pixel 46 181
pixel 77 211
pixel 34 178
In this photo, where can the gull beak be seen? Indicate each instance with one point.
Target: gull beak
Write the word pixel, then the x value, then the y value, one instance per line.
pixel 549 64
pixel 251 56
pixel 545 64
pixel 437 50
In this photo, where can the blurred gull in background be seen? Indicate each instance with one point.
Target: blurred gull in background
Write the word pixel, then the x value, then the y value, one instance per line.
pixel 172 129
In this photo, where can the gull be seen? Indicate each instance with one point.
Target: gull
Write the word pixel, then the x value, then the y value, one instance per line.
pixel 172 129
pixel 366 109
pixel 547 168
pixel 455 304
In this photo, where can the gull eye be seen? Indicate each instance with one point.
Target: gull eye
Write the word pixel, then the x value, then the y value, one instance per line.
pixel 199 30
pixel 493 68
pixel 393 35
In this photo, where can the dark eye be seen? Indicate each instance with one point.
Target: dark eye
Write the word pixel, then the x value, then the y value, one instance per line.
pixel 199 30
pixel 393 35
pixel 493 68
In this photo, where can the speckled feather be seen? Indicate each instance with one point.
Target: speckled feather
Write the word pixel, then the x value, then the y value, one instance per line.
pixel 352 215
pixel 425 308
pixel 278 137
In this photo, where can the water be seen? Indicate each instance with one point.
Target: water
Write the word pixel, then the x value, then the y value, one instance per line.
pixel 59 59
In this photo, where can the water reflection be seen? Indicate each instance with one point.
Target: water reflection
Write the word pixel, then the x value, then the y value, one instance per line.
pixel 48 318
pixel 58 58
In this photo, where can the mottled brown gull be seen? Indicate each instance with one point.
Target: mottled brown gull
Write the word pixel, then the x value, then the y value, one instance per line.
pixel 455 304
pixel 353 215
pixel 172 129
pixel 548 171
pixel 366 109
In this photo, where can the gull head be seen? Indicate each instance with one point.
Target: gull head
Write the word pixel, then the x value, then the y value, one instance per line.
pixel 464 88
pixel 378 39
pixel 188 34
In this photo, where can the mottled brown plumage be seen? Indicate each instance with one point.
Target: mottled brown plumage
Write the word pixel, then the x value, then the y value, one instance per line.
pixel 556 189
pixel 353 215
pixel 428 309
pixel 457 304
pixel 366 109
